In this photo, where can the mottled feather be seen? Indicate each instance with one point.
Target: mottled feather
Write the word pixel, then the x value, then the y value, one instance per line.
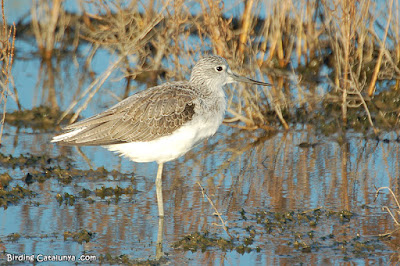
pixel 146 116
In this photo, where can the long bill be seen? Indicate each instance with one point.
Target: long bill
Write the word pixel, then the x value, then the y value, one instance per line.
pixel 237 78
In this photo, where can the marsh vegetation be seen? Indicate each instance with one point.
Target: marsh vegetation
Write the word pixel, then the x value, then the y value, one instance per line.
pixel 293 172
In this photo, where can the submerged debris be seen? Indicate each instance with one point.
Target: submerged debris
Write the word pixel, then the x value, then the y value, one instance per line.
pixel 14 237
pixel 298 230
pixel 66 198
pixel 43 118
pixel 124 259
pixel 117 191
pixel 13 195
pixel 4 180
pixel 80 236
pixel 66 175
pixel 32 160
pixel 203 241
pixel 102 192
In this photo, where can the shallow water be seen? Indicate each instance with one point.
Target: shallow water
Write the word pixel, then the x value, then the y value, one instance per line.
pixel 237 170
pixel 247 175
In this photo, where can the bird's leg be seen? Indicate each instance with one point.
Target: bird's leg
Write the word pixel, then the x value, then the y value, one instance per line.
pixel 159 191
pixel 159 247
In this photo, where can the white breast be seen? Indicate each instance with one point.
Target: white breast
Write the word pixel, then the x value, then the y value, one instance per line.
pixel 170 147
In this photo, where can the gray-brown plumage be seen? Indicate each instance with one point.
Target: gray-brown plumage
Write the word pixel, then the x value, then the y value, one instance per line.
pixel 145 116
pixel 161 123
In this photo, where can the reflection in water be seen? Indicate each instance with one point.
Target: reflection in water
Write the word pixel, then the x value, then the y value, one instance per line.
pixel 46 69
pixel 253 171
pixel 160 234
pixel 238 171
pixel 345 182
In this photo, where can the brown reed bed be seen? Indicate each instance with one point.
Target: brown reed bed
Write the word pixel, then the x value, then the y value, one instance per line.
pixel 7 44
pixel 332 63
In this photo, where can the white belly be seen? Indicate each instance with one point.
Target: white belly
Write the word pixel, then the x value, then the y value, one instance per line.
pixel 170 147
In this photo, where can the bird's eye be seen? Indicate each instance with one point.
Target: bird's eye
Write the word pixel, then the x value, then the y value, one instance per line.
pixel 219 68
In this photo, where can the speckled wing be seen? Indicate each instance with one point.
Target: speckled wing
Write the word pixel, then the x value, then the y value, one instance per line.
pixel 144 116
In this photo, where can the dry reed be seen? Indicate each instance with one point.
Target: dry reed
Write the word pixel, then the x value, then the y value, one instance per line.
pixel 7 44
pixel 386 208
pixel 48 25
pixel 288 42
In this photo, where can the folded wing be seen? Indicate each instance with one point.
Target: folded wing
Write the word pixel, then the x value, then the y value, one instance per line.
pixel 144 116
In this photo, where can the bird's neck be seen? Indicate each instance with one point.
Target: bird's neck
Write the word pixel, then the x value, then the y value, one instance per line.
pixel 207 89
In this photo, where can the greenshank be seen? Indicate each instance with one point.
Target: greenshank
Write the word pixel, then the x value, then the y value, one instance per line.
pixel 161 123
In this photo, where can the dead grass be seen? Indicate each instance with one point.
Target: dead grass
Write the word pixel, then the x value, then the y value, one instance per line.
pixel 357 51
pixel 290 43
pixel 48 24
pixel 394 214
pixel 7 44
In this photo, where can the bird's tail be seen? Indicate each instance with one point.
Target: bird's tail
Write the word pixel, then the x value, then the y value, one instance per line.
pixel 67 136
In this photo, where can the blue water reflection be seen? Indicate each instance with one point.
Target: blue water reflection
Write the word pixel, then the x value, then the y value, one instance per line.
pixel 239 170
